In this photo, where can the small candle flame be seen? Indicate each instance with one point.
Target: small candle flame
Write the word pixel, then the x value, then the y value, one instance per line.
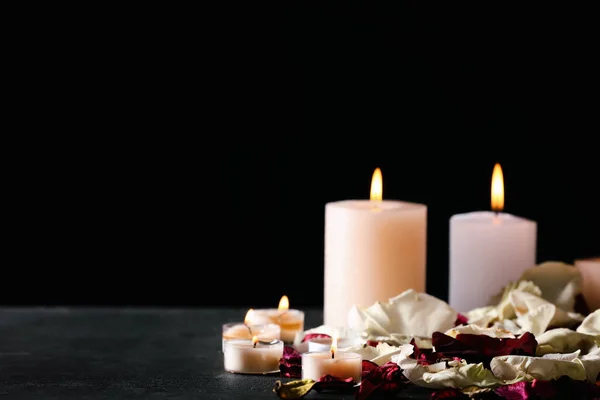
pixel 248 320
pixel 249 316
pixel 497 189
pixel 377 186
pixel 284 304
pixel 254 341
pixel 334 340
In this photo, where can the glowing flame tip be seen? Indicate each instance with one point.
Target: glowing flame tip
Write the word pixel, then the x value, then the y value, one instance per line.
pixel 377 185
pixel 248 317
pixel 497 189
pixel 284 303
pixel 334 340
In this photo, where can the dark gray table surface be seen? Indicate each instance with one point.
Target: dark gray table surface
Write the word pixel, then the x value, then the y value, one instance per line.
pixel 125 353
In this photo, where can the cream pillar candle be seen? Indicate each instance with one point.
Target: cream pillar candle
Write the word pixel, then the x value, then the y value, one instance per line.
pixel 488 250
pixel 245 356
pixel 590 274
pixel 374 250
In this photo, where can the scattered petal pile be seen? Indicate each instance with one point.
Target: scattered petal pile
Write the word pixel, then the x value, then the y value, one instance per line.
pixel 532 343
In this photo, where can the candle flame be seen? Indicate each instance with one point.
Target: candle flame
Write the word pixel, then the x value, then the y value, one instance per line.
pixel 497 189
pixel 377 185
pixel 334 340
pixel 254 340
pixel 248 317
pixel 284 304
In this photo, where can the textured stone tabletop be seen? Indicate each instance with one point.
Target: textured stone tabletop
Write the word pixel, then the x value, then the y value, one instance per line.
pixel 124 353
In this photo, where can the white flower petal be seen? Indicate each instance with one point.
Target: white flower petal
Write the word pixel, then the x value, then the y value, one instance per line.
pixel 591 324
pixel 478 330
pixel 537 320
pixel 536 315
pixel 509 325
pixel 560 283
pixel 440 375
pixel 410 314
pixel 386 352
pixel 563 340
pixel 407 350
pixel 512 367
pixel 592 367
pixel 563 357
pixel 482 316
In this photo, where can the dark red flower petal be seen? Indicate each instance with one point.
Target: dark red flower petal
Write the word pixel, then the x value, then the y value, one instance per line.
pixel 368 366
pixel 515 391
pixel 330 383
pixel 310 336
pixel 386 378
pixel 372 343
pixel 482 348
pixel 461 320
pixel 424 356
pixel 290 353
pixel 290 364
pixel 544 389
pixel 561 388
pixel 528 390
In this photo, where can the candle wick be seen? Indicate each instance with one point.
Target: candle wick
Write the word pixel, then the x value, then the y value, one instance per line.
pixel 496 216
pixel 332 354
pixel 254 344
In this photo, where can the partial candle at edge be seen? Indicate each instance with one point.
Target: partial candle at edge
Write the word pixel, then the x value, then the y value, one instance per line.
pixel 488 250
pixel 374 250
pixel 590 274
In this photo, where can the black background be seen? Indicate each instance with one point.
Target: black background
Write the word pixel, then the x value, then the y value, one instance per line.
pixel 184 157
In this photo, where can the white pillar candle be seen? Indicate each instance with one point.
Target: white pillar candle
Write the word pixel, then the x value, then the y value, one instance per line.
pixel 374 250
pixel 290 321
pixel 590 274
pixel 488 250
pixel 242 330
pixel 343 365
pixel 246 356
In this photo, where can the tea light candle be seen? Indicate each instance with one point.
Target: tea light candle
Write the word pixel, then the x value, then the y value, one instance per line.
pixel 338 364
pixel 244 356
pixel 242 330
pixel 488 250
pixel 289 320
pixel 590 275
